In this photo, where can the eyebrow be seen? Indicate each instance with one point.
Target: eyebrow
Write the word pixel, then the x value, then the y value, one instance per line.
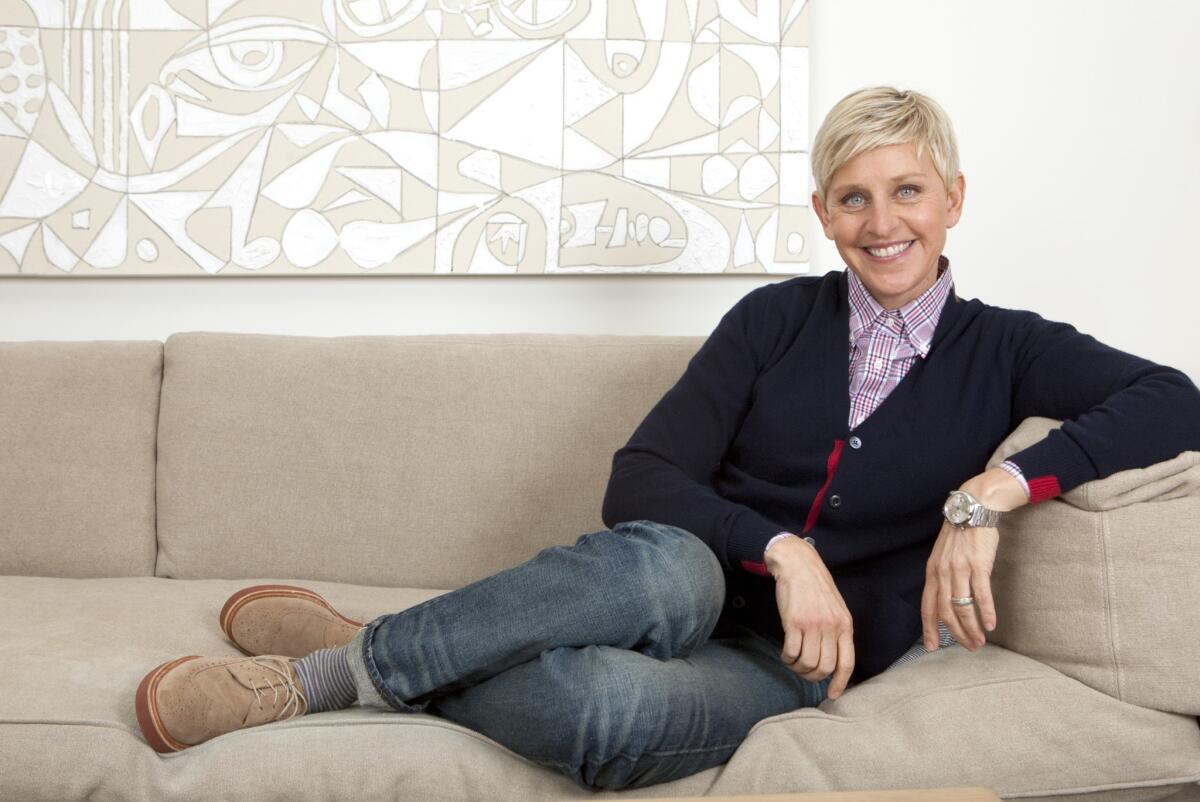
pixel 838 190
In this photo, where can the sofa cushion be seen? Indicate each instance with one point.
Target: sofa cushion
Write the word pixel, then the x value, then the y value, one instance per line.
pixel 73 651
pixel 1100 582
pixel 399 461
pixel 989 718
pixel 77 434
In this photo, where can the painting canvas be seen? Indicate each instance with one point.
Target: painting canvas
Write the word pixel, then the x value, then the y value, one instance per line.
pixel 364 137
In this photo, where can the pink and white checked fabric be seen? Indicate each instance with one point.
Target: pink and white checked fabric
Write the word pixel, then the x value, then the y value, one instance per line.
pixel 885 343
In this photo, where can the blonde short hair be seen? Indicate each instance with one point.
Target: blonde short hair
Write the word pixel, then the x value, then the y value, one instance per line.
pixel 883 115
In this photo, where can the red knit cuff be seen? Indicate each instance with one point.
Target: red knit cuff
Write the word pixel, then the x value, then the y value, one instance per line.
pixel 755 568
pixel 1043 488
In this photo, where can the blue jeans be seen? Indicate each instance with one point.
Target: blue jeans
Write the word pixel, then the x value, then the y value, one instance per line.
pixel 603 660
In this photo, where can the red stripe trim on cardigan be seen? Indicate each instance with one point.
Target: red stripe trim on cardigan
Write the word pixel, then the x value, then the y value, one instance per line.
pixel 755 568
pixel 831 464
pixel 1043 488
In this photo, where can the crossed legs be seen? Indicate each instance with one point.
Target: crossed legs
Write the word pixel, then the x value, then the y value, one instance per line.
pixel 598 660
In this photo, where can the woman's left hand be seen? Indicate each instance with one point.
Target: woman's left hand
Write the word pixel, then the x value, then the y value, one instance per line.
pixel 961 565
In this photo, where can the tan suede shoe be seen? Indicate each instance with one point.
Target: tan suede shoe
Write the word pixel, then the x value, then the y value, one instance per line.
pixel 190 700
pixel 285 620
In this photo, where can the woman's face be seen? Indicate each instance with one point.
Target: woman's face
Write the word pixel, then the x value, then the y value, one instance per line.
pixel 888 212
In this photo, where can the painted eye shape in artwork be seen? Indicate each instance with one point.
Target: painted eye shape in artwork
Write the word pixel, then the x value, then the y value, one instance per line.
pixel 249 54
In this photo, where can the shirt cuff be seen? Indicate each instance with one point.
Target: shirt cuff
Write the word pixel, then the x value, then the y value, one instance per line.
pixel 1013 470
pixel 775 540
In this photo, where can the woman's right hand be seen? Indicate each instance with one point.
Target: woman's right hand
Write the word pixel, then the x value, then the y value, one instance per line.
pixel 818 631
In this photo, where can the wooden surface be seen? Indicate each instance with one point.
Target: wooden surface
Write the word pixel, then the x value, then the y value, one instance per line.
pixel 928 795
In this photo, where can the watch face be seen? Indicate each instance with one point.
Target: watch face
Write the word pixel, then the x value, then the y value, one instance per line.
pixel 957 509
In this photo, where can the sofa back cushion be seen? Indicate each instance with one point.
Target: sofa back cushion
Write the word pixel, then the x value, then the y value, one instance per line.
pixel 425 461
pixel 77 438
pixel 1100 582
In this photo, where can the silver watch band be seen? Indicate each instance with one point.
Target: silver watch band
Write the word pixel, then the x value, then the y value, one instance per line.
pixel 982 516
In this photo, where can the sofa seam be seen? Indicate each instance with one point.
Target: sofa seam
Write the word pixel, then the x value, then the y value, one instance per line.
pixel 162 381
pixel 471 339
pixel 1110 591
pixel 107 725
pixel 1089 789
pixel 809 712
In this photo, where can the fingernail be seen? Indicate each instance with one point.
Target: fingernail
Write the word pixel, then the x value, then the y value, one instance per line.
pixel 990 627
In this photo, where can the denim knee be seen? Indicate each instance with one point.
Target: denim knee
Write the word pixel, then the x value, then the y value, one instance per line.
pixel 683 580
pixel 620 708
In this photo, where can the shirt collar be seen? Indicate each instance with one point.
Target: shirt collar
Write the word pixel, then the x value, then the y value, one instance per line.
pixel 919 316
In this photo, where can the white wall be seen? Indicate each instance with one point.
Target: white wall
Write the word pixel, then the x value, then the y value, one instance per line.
pixel 1078 124
pixel 1079 130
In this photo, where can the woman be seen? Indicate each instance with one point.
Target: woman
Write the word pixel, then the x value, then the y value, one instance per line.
pixel 804 508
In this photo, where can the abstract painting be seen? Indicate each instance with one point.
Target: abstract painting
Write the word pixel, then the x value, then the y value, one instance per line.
pixel 355 137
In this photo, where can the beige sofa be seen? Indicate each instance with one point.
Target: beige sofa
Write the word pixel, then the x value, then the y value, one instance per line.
pixel 141 483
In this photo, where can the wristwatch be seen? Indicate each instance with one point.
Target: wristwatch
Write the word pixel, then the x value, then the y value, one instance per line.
pixel 964 510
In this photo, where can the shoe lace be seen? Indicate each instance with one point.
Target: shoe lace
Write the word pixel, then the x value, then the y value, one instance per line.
pixel 294 703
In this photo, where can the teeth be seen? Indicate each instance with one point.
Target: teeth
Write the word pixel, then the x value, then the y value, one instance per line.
pixel 891 250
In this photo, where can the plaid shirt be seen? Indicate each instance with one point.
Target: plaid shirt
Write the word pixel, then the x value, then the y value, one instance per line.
pixel 885 344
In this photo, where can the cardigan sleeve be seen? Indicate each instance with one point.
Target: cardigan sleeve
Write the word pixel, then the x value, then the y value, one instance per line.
pixel 1119 411
pixel 664 473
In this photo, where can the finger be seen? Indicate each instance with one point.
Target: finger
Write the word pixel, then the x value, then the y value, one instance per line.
pixel 967 616
pixel 983 597
pixel 827 660
pixel 946 611
pixel 792 643
pixel 845 666
pixel 929 616
pixel 810 655
pixel 968 620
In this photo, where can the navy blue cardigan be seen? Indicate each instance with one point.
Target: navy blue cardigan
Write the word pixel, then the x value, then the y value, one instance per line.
pixel 752 441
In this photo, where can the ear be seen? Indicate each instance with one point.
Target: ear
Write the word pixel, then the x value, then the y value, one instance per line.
pixel 822 215
pixel 954 200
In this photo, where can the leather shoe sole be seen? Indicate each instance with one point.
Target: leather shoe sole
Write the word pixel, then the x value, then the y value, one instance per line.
pixel 257 592
pixel 147 708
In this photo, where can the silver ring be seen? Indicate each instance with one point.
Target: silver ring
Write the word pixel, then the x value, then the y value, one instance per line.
pixel 962 601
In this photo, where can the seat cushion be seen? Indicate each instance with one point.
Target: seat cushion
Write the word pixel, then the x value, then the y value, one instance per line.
pixel 989 718
pixel 1100 583
pixel 77 438
pixel 72 653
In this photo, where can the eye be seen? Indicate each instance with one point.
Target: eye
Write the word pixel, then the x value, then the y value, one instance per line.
pixel 909 191
pixel 854 199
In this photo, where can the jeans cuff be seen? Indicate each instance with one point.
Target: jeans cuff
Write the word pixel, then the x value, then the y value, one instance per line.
pixel 364 672
pixel 368 695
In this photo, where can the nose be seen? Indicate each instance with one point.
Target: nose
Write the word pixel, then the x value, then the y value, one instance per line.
pixel 883 219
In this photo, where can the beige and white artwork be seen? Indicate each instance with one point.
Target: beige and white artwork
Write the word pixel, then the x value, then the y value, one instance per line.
pixel 282 137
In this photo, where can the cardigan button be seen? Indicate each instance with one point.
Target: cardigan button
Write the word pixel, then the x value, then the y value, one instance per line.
pixel 835 501
pixel 738 602
pixel 855 442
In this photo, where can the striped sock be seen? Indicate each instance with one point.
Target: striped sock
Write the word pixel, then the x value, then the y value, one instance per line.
pixel 326 680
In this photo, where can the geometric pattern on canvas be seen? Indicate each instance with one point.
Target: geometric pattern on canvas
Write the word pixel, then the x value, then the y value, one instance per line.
pixel 272 137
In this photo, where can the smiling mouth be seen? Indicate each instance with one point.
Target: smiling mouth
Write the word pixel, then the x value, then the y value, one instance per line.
pixel 890 251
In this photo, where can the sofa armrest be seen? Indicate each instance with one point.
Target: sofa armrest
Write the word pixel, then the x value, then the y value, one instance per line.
pixel 1099 582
